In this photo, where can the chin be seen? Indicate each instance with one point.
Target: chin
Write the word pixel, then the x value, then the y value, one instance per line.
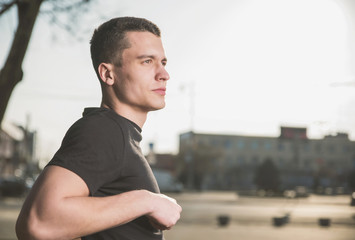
pixel 157 107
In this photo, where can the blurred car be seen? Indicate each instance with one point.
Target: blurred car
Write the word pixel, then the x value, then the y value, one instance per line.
pixel 166 182
pixel 12 187
pixel 301 191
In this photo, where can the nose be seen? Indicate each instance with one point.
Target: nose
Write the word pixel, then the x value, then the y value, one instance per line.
pixel 162 74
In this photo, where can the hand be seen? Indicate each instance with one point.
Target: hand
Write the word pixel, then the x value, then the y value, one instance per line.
pixel 165 213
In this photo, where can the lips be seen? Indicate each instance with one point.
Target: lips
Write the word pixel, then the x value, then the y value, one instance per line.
pixel 160 91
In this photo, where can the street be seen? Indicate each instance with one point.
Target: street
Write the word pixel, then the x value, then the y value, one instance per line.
pixel 9 210
pixel 251 218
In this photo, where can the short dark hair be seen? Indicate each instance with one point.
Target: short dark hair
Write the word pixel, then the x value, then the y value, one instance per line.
pixel 109 39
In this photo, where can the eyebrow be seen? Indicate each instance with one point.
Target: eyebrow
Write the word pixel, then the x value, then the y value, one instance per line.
pixel 151 56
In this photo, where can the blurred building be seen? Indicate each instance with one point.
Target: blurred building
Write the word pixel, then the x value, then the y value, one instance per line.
pixel 17 151
pixel 165 169
pixel 215 161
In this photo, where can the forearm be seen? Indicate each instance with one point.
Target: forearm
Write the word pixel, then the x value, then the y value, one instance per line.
pixel 95 214
pixel 59 207
pixel 73 217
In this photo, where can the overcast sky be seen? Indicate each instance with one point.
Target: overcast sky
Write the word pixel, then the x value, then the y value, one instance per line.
pixel 237 67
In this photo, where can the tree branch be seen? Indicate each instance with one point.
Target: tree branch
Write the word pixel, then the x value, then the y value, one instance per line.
pixel 64 6
pixel 7 6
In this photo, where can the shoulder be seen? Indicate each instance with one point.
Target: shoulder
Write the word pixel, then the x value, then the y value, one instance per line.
pixel 95 130
pixel 97 121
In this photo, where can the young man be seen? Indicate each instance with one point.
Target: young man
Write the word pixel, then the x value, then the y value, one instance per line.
pixel 99 185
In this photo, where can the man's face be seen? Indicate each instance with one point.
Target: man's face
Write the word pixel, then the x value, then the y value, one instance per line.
pixel 141 80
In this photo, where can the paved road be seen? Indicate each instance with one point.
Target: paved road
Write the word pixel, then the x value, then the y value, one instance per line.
pixel 250 218
pixel 9 210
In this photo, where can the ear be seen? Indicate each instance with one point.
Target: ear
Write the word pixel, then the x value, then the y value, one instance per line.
pixel 106 73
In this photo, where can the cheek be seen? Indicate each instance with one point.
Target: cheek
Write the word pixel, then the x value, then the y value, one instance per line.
pixel 139 81
pixel 135 81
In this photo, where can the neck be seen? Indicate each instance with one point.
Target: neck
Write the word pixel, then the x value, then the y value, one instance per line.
pixel 137 117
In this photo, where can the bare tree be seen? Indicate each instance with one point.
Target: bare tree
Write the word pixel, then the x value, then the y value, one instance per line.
pixel 27 13
pixel 267 176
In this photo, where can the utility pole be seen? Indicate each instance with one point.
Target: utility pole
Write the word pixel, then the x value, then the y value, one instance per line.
pixel 192 105
pixel 189 156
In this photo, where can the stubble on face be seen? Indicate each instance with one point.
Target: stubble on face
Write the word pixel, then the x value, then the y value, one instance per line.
pixel 141 77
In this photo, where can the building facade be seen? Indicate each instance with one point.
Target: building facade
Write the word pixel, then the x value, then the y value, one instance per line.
pixel 214 161
pixel 17 152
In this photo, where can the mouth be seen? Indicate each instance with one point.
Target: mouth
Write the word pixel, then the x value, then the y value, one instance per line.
pixel 160 91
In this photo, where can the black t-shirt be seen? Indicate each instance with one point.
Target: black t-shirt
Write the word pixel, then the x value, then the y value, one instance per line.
pixel 103 149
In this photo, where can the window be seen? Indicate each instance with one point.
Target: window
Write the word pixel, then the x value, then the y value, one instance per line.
pixel 254 145
pixel 240 144
pixel 227 144
pixel 267 145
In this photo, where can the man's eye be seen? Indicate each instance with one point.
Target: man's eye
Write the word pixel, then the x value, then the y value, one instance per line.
pixel 148 61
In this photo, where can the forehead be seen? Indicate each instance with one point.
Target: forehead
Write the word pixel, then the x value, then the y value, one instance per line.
pixel 144 43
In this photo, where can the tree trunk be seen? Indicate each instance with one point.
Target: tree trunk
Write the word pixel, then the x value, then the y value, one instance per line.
pixel 12 73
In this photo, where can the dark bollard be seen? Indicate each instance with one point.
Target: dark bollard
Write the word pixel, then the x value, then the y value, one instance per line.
pixel 223 220
pixel 324 222
pixel 282 220
pixel 278 221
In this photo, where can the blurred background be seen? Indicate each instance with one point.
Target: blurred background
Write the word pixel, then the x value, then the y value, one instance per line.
pixel 258 130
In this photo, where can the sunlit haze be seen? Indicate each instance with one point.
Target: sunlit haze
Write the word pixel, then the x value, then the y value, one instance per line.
pixel 242 67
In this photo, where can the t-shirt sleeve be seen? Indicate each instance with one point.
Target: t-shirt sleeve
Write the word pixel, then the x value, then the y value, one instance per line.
pixel 92 151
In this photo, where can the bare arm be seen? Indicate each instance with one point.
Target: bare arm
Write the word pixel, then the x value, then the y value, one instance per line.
pixel 59 207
